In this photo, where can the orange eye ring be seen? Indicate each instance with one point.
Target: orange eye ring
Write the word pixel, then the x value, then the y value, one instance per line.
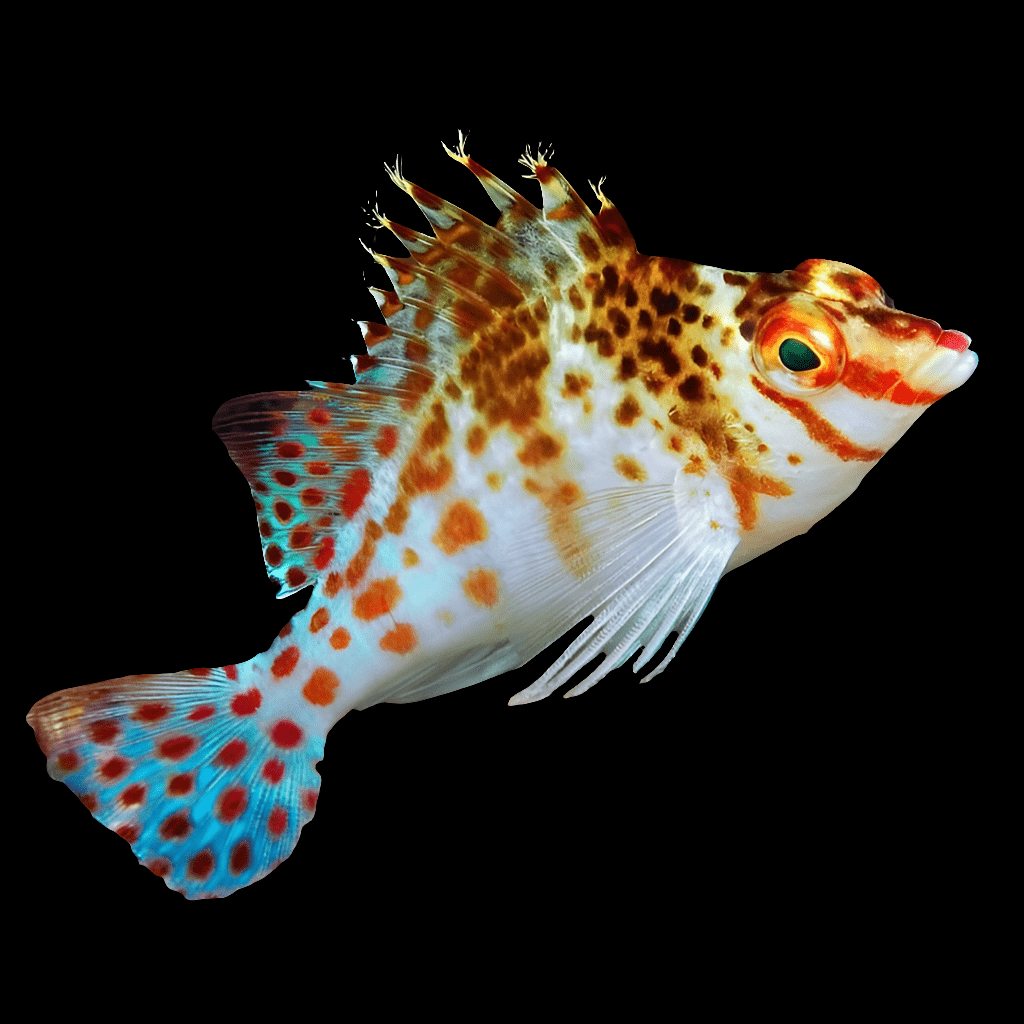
pixel 799 348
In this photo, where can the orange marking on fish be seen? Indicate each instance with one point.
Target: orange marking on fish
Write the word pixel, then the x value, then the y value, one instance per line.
pixel 481 587
pixel 322 686
pixel 319 619
pixel 818 428
pixel 745 485
pixel 387 439
pixel 284 664
pixel 353 494
pixel 340 638
pixel 461 524
pixel 378 599
pixel 400 640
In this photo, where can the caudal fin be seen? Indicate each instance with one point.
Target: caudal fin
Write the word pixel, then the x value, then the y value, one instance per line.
pixel 210 792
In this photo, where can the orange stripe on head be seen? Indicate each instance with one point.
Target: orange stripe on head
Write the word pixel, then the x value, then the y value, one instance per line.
pixel 866 380
pixel 818 428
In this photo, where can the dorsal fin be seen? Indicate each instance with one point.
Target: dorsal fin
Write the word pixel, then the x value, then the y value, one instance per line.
pixel 312 459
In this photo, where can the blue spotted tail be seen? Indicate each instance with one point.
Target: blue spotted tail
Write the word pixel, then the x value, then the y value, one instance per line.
pixel 208 788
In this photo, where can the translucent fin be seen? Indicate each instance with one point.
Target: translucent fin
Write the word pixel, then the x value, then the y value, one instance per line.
pixel 210 792
pixel 643 562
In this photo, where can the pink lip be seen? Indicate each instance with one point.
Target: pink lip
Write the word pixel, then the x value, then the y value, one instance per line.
pixel 956 340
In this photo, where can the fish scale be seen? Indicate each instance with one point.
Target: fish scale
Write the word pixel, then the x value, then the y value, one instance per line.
pixel 548 427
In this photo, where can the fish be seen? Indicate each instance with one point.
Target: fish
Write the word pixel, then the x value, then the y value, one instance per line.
pixel 546 428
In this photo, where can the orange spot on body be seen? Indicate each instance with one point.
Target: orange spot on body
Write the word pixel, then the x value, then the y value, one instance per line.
pixel 340 638
pixel 481 587
pixel 357 567
pixel 378 599
pixel 461 525
pixel 319 619
pixel 321 688
pixel 400 640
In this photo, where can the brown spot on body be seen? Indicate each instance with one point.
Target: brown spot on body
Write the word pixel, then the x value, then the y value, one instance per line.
pixel 627 412
pixel 664 303
pixel 476 439
pixel 575 385
pixel 661 352
pixel 628 467
pixel 539 449
pixel 692 388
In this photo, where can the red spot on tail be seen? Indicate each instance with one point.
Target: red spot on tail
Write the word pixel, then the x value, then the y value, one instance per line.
pixel 152 712
pixel 177 747
pixel 231 803
pixel 277 821
pixel 247 703
pixel 273 770
pixel 177 826
pixel 201 865
pixel 240 857
pixel 104 731
pixel 286 734
pixel 114 768
pixel 133 795
pixel 180 785
pixel 232 753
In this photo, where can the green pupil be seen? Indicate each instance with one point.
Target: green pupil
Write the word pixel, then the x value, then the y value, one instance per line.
pixel 795 355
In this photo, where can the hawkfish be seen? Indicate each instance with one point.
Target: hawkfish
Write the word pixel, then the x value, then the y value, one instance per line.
pixel 547 428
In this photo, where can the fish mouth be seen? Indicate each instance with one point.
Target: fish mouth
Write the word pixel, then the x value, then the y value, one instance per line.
pixel 948 365
pixel 956 340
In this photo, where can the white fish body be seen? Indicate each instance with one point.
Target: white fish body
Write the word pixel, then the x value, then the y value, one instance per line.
pixel 549 426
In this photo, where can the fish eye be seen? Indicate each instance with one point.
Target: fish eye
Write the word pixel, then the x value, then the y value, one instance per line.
pixel 795 355
pixel 798 347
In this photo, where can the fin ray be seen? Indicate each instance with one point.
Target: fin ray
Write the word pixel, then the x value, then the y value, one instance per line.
pixel 644 563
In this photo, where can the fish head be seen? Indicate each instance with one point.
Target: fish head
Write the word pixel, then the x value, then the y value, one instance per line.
pixel 837 375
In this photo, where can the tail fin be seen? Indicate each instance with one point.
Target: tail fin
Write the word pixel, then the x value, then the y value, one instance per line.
pixel 210 793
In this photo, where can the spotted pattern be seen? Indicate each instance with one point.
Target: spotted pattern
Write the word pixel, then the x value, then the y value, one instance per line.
pixel 523 372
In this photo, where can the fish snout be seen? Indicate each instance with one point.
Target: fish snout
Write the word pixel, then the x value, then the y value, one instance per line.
pixel 956 340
